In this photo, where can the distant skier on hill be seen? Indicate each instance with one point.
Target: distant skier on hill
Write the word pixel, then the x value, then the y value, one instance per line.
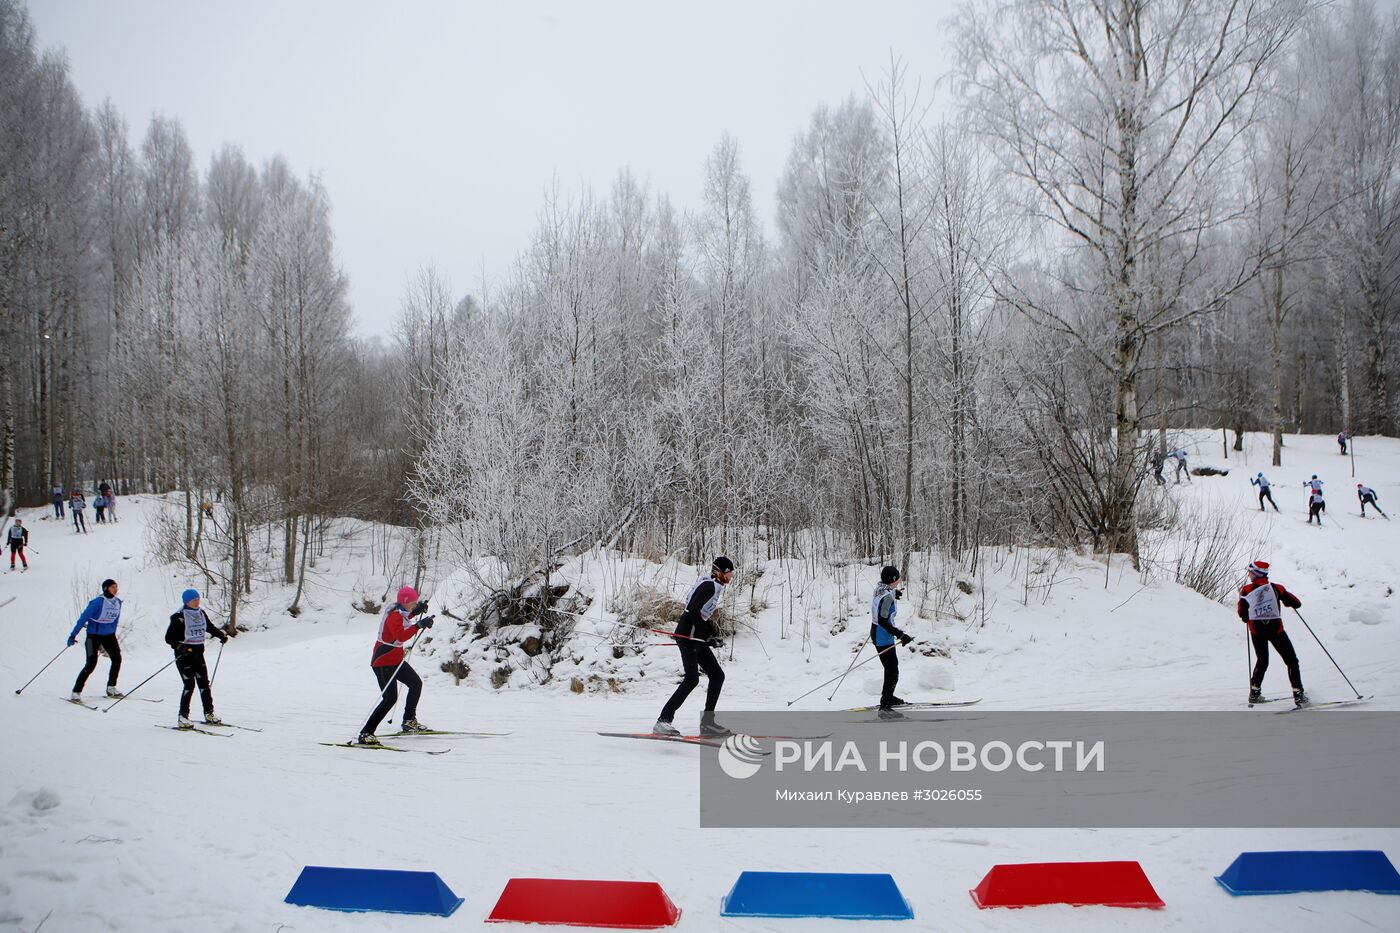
pixel 99 505
pixel 695 641
pixel 1179 455
pixel 1316 506
pixel 57 493
pixel 1158 461
pixel 111 497
pixel 1258 608
pixel 886 637
pixel 1342 439
pixel 401 622
pixel 76 504
pixel 17 536
pixel 1366 494
pixel 101 617
pixel 1262 482
pixel 189 627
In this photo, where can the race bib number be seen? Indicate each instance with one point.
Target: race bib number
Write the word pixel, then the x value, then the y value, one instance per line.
pixel 1263 603
pixel 195 628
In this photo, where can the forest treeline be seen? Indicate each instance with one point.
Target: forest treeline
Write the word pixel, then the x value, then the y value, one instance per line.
pixel 970 324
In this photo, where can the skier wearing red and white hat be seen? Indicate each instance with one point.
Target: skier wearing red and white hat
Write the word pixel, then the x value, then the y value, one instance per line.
pixel 401 622
pixel 1260 608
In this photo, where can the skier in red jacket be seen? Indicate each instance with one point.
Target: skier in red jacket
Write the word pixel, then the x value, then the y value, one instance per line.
pixel 403 620
pixel 1259 608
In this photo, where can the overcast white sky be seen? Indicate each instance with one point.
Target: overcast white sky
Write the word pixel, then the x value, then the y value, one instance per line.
pixel 436 126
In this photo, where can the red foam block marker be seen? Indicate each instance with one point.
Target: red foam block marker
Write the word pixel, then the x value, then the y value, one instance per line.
pixel 1080 884
pixel 621 905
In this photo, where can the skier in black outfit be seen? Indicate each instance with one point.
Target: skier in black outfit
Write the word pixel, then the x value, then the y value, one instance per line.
pixel 188 629
pixel 1366 494
pixel 696 654
pixel 884 634
pixel 1259 609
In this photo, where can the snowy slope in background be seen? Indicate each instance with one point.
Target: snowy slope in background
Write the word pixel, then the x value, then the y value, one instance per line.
pixel 114 825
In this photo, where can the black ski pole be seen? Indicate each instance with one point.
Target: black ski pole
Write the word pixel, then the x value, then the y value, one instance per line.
pixel 138 686
pixel 217 658
pixel 41 670
pixel 1329 654
pixel 834 679
pixel 848 669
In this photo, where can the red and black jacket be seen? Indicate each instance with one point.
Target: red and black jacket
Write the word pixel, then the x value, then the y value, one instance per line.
pixel 394 632
pixel 1285 598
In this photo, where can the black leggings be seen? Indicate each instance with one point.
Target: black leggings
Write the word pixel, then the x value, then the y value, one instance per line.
pixel 387 678
pixel 114 651
pixel 1266 494
pixel 696 656
pixel 1268 633
pixel 189 661
pixel 79 520
pixel 889 660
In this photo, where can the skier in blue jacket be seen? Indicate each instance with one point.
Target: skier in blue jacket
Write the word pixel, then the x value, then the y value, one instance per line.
pixel 100 618
pixel 884 633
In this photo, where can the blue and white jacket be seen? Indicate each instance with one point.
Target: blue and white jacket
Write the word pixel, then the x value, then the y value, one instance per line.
pixel 101 617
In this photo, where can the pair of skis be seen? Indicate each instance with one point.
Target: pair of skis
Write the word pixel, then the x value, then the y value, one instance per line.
pixel 94 706
pixel 422 751
pixel 712 741
pixel 1326 704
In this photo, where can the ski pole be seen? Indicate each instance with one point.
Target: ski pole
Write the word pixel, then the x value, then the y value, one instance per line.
pixel 848 668
pixel 41 670
pixel 834 679
pixel 217 658
pixel 139 686
pixel 1329 654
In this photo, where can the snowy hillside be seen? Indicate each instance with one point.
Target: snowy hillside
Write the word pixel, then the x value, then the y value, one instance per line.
pixel 103 818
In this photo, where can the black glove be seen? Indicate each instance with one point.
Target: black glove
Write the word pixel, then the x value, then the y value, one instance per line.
pixel 72 641
pixel 419 608
pixel 898 594
pixel 714 642
pixel 223 639
pixel 904 639
pixel 425 623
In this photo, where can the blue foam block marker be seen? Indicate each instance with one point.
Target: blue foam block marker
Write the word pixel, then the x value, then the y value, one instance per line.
pixel 816 894
pixel 1296 872
pixel 373 889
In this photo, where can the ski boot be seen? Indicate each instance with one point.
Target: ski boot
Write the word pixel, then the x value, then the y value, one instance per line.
pixel 1256 695
pixel 896 701
pixel 663 727
pixel 367 738
pixel 114 693
pixel 1300 699
pixel 76 697
pixel 413 725
pixel 212 719
pixel 184 723
pixel 710 728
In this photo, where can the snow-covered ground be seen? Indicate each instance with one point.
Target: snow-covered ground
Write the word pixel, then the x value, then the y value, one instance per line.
pixel 107 823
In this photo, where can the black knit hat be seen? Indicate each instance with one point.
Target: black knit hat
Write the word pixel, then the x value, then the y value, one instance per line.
pixel 724 564
pixel 106 584
pixel 889 575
